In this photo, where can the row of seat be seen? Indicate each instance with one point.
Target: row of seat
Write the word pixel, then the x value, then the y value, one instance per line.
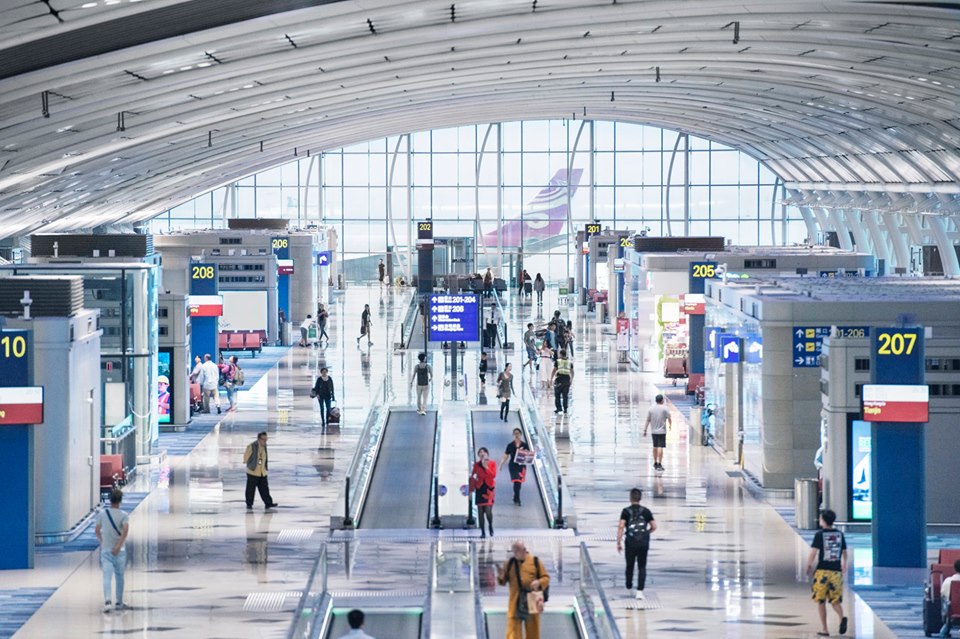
pixel 250 341
pixel 943 569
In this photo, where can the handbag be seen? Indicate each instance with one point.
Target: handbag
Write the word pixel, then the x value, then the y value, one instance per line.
pixel 529 602
pixel 534 602
pixel 313 393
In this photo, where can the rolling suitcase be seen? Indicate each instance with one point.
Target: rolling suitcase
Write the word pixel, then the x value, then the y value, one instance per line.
pixel 528 288
pixel 333 417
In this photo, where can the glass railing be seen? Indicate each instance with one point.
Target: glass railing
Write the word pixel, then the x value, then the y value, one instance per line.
pixel 592 602
pixel 315 603
pixel 361 466
pixel 502 323
pixel 545 463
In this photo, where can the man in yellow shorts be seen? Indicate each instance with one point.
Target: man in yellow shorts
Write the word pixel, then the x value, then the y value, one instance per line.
pixel 829 548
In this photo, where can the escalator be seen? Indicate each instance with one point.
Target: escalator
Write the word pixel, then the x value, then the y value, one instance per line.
pixel 561 624
pixel 492 433
pixel 398 495
pixel 399 624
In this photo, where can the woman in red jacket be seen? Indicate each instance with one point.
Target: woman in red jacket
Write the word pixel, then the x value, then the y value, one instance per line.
pixel 483 483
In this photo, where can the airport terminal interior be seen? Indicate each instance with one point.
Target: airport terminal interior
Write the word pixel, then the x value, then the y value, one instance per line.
pixel 295 277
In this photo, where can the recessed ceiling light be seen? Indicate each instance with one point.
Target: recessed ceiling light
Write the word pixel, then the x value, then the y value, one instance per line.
pixel 186 68
pixel 88 5
pixel 248 86
pixel 168 72
pixel 64 128
pixel 203 64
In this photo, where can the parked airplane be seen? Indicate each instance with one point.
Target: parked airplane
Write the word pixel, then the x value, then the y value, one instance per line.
pixel 543 218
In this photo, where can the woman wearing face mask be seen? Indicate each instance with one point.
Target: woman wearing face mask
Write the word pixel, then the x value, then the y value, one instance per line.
pixel 518 472
pixel 483 483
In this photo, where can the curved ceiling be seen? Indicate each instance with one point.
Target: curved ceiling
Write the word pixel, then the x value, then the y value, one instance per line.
pixel 124 115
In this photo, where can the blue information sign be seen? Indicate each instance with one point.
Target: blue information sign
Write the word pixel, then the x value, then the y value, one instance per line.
pixel 807 345
pixel 754 347
pixel 454 318
pixel 729 348
pixel 323 258
pixel 16 441
pixel 713 339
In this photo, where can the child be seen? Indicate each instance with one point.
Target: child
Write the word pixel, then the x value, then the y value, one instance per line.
pixel 829 550
pixel 546 364
pixel 483 367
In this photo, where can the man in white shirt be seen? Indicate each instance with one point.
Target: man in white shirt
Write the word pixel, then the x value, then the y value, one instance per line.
pixel 355 619
pixel 209 383
pixel 945 597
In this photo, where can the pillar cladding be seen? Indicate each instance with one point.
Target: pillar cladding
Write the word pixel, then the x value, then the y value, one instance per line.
pixel 16 440
pixel 898 455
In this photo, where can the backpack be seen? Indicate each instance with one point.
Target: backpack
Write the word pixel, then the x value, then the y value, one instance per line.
pixel 237 376
pixel 638 528
pixel 423 374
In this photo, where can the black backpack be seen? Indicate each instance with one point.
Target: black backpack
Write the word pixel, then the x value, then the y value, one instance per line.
pixel 423 377
pixel 638 528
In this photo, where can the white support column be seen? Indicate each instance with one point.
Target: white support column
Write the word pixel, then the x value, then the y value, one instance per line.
pixel 855 224
pixel 810 221
pixel 881 241
pixel 898 238
pixel 948 254
pixel 839 221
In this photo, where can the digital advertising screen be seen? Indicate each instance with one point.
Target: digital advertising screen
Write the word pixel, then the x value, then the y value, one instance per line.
pixel 861 494
pixel 164 386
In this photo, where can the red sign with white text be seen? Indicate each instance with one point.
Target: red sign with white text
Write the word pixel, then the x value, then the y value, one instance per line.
pixel 205 305
pixel 21 405
pixel 693 304
pixel 892 403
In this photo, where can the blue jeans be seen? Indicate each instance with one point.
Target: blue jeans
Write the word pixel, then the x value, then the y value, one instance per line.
pixel 113 565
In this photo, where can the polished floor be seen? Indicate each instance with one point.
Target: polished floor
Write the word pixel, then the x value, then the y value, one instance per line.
pixel 722 563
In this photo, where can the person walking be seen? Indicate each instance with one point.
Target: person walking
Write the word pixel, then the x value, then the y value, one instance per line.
pixel 381 271
pixel 505 389
pixel 229 372
pixel 550 337
pixel 524 573
pixel 365 325
pixel 829 549
pixel 530 343
pixel 483 484
pixel 658 423
pixel 322 316
pixel 422 375
pixel 256 461
pixel 544 367
pixel 482 367
pixel 633 533
pixel 197 367
pixel 570 338
pixel 355 619
pixel 487 283
pixel 323 391
pixel 518 471
pixel 209 380
pixel 112 530
pixel 539 286
pixel 561 377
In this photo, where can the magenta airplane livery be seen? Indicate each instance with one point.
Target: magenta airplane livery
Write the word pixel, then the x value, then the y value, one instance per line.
pixel 543 218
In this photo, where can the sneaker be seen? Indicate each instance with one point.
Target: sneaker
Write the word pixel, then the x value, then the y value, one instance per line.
pixel 640 596
pixel 107 607
pixel 630 592
pixel 249 508
pixel 843 626
pixel 273 505
pixel 121 607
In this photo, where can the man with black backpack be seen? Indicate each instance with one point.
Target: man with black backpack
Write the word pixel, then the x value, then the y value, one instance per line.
pixel 423 375
pixel 636 525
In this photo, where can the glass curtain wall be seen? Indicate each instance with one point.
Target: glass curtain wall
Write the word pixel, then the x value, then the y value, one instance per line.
pixel 619 175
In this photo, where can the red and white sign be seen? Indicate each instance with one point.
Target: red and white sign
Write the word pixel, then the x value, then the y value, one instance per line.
pixel 893 403
pixel 21 405
pixel 205 305
pixel 693 304
pixel 623 334
pixel 284 267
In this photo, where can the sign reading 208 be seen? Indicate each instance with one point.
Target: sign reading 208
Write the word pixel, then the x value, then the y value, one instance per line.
pixel 202 272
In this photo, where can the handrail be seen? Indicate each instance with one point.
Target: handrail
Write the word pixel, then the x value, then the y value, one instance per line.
pixel 593 609
pixel 314 605
pixel 427 606
pixel 479 618
pixel 471 509
pixel 502 324
pixel 433 514
pixel 546 465
pixel 409 321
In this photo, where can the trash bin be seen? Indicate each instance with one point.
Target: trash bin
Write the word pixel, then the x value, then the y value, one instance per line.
pixel 806 504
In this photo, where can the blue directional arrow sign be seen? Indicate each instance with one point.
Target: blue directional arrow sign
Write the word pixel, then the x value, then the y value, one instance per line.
pixel 807 345
pixel 454 318
pixel 729 349
pixel 323 258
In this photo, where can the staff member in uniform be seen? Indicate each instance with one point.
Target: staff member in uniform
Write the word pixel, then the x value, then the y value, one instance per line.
pixel 561 377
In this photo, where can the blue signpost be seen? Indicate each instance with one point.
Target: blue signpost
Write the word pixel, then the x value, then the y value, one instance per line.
pixel 281 248
pixel 204 280
pixel 16 442
pixel 898 455
pixel 699 273
pixel 454 318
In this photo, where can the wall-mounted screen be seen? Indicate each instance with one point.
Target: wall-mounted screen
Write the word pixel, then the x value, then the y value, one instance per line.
pixel 205 305
pixel 896 403
pixel 244 310
pixel 164 385
pixel 861 492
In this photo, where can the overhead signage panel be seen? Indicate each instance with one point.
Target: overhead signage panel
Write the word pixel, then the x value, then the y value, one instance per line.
pixel 807 345
pixel 205 305
pixel 896 403
pixel 324 258
pixel 284 267
pixel 21 405
pixel 454 318
pixel 729 348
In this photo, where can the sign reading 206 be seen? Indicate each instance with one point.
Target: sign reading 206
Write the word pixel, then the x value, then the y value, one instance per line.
pixel 201 272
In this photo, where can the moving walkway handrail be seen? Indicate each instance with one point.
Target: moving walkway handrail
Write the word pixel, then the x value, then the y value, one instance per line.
pixel 502 324
pixel 315 606
pixel 409 321
pixel 479 617
pixel 433 512
pixel 546 466
pixel 593 609
pixel 368 447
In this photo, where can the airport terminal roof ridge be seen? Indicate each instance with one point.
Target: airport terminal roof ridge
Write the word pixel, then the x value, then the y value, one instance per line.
pixel 853 289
